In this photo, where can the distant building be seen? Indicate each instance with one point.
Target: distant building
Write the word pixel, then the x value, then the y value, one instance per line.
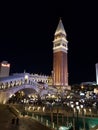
pixel 96 73
pixel 4 69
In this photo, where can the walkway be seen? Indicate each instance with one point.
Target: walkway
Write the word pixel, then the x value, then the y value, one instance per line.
pixel 25 123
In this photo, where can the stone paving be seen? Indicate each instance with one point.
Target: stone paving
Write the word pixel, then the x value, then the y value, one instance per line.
pixel 25 123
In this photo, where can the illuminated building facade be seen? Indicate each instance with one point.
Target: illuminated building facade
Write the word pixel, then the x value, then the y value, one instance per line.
pixel 96 73
pixel 60 64
pixel 4 69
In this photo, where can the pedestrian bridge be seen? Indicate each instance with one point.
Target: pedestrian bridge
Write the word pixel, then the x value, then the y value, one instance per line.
pixel 17 82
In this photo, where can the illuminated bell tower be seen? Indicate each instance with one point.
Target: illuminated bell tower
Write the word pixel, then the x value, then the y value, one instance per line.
pixel 60 65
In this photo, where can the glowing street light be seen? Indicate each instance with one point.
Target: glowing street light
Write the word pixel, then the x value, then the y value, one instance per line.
pixel 26 78
pixel 90 112
pixel 84 111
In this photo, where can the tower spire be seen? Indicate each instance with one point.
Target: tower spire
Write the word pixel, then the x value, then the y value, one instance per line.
pixel 60 28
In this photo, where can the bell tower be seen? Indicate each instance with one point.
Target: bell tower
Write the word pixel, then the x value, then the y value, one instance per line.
pixel 60 63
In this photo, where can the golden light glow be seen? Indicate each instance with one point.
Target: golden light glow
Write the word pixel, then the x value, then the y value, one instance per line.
pixel 26 77
pixel 82 87
pixel 5 65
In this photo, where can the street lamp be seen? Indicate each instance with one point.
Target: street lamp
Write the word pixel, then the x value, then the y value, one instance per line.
pixel 51 112
pixel 84 113
pixel 90 112
pixel 57 117
pixel 81 109
pixel 77 110
pixel 73 116
pixel 26 78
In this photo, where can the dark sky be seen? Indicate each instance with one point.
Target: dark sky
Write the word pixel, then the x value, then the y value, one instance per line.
pixel 27 31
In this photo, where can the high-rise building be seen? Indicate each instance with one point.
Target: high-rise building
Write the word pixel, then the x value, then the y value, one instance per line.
pixel 60 63
pixel 96 72
pixel 4 69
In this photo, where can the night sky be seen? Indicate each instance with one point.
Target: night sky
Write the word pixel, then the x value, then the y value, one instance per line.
pixel 27 33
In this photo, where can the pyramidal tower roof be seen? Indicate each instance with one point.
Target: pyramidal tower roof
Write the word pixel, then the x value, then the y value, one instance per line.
pixel 60 28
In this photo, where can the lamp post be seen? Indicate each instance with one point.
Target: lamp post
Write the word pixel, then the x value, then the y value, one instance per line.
pixel 51 111
pixel 57 118
pixel 83 116
pixel 77 110
pixel 52 123
pixel 26 78
pixel 62 111
pixel 84 113
pixel 90 112
pixel 73 116
pixel 81 110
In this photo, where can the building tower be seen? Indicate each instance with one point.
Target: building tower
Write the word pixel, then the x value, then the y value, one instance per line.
pixel 60 64
pixel 96 72
pixel 4 69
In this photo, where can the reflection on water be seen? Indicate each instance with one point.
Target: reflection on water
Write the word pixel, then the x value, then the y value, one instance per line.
pixel 89 123
pixel 80 123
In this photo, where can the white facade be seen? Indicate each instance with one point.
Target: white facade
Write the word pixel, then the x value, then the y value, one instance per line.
pixel 96 73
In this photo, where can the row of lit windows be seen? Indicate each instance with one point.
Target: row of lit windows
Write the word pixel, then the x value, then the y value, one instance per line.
pixel 60 36
pixel 58 44
pixel 41 80
pixel 18 83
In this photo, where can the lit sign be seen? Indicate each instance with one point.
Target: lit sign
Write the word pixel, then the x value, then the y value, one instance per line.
pixel 5 65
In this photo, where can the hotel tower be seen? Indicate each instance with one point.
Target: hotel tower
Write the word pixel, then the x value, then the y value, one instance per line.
pixel 60 63
pixel 96 73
